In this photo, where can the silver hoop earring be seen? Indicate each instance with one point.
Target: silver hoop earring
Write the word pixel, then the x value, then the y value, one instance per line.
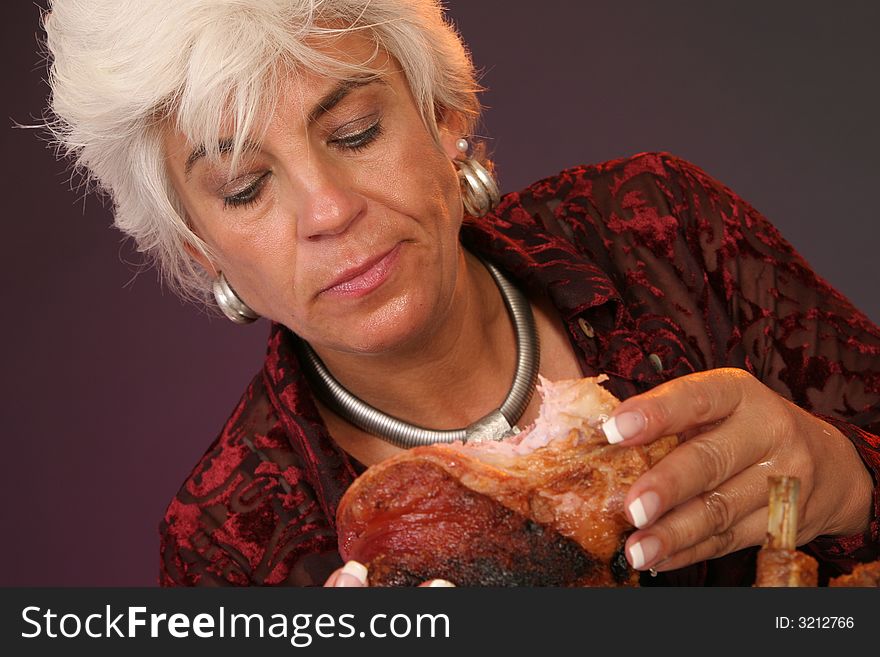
pixel 232 306
pixel 479 191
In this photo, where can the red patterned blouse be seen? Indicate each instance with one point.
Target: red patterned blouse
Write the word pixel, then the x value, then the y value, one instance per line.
pixel 657 269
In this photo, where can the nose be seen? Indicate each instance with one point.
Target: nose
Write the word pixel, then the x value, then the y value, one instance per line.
pixel 328 202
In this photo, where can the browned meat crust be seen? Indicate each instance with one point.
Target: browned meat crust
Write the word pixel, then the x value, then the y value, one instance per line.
pixel 477 516
pixel 428 525
pixel 779 567
pixel 863 575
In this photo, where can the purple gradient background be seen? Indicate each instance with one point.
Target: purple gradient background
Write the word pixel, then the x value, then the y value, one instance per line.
pixel 112 389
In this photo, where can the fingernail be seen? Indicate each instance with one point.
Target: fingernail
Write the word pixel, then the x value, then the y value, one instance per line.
pixel 441 582
pixel 644 508
pixel 623 426
pixel 353 574
pixel 644 552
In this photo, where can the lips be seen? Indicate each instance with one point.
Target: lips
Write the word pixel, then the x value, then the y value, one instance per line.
pixel 365 277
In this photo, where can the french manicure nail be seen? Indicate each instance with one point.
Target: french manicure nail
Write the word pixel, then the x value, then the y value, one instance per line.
pixel 441 582
pixel 623 426
pixel 644 508
pixel 353 574
pixel 644 552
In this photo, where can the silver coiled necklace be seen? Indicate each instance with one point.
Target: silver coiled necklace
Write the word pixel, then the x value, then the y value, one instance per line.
pixel 494 426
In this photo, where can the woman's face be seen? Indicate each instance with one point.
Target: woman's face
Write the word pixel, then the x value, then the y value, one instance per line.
pixel 342 223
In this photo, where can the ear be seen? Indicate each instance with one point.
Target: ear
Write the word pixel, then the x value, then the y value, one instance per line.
pixel 200 258
pixel 452 128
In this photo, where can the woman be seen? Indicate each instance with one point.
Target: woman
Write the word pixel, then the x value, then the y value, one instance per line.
pixel 311 162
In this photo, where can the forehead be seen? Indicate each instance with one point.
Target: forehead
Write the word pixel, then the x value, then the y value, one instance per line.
pixel 235 112
pixel 353 57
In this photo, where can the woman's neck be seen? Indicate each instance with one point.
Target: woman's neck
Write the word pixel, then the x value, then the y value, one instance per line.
pixel 455 373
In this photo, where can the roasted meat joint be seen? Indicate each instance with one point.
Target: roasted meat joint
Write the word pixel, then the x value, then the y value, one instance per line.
pixel 542 508
pixel 780 563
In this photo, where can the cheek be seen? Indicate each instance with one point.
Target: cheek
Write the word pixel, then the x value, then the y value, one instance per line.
pixel 257 257
pixel 418 177
pixel 453 201
pixel 447 203
pixel 241 248
pixel 429 191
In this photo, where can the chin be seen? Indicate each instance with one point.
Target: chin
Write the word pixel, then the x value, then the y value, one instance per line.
pixel 401 324
pixel 398 328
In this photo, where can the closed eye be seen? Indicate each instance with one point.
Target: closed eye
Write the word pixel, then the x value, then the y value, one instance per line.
pixel 248 194
pixel 359 140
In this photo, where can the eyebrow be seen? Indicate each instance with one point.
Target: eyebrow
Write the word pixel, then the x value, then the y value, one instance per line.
pixel 223 146
pixel 336 95
pixel 327 102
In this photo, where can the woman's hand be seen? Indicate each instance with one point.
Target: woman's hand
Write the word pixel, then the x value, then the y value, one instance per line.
pixel 708 497
pixel 354 574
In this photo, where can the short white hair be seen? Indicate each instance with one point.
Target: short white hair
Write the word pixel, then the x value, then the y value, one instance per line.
pixel 121 67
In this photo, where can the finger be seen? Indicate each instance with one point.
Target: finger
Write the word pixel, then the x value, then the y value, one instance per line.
pixel 750 531
pixel 697 466
pixel 439 583
pixel 352 575
pixel 709 514
pixel 647 552
pixel 331 581
pixel 679 405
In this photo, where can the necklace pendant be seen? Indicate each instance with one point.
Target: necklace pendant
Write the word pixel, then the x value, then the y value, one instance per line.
pixel 491 427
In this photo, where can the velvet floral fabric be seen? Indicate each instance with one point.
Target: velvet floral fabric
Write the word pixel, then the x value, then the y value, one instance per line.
pixel 657 270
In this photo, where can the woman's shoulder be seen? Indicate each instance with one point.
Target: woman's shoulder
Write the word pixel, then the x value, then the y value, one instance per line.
pixel 647 187
pixel 626 195
pixel 648 167
pixel 233 451
pixel 247 484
